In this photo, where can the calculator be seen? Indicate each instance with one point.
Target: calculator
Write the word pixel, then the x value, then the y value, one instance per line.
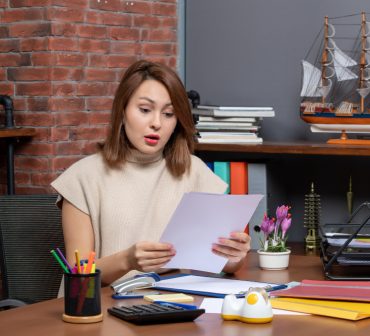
pixel 155 313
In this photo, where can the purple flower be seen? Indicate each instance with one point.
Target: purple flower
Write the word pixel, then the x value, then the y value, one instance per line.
pixel 285 225
pixel 267 225
pixel 282 212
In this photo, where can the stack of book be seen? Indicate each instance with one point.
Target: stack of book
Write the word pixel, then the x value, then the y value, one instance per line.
pixel 222 124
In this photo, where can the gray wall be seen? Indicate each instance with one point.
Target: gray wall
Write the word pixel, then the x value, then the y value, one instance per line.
pixel 248 52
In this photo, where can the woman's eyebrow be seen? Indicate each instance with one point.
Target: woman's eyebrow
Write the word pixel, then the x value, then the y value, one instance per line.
pixel 153 102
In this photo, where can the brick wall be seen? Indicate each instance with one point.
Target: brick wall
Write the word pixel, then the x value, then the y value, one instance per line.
pixel 61 62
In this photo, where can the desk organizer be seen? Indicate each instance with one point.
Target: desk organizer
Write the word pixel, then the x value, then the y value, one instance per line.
pixel 345 248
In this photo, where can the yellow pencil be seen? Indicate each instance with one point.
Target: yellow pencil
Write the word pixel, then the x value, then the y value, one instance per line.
pixel 77 254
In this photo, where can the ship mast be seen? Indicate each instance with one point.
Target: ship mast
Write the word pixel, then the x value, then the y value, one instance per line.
pixel 363 62
pixel 324 57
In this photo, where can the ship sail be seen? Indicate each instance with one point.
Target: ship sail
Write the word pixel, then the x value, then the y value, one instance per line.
pixel 365 90
pixel 341 63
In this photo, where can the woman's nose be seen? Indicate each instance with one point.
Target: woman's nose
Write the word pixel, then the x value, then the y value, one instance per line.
pixel 156 121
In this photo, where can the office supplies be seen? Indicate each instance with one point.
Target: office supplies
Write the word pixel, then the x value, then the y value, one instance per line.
pixel 155 313
pixel 140 281
pixel 57 258
pixel 339 309
pixel 207 286
pixel 178 297
pixel 254 308
pixel 133 294
pixel 78 261
pixel 64 259
pixel 189 232
pixel 90 262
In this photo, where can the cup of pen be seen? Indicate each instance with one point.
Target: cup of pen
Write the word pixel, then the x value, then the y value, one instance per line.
pixel 82 302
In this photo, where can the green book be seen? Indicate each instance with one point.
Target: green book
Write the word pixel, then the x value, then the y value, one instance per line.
pixel 222 169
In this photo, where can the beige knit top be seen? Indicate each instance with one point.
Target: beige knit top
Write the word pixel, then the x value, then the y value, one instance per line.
pixel 133 203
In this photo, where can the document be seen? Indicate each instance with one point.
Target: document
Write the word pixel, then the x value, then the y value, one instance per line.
pixel 197 223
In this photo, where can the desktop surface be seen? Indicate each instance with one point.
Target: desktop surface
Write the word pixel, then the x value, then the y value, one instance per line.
pixel 45 318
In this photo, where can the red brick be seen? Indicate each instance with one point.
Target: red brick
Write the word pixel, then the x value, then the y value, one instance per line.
pixel 9 45
pixel 34 44
pixel 64 89
pixel 69 59
pixel 43 58
pixel 146 21
pixel 123 6
pixel 169 22
pixel 7 89
pixel 103 75
pixel 36 149
pixel 59 134
pixel 32 163
pixel 92 89
pixel 127 34
pixel 28 74
pixel 66 104
pixel 61 163
pixel 10 59
pixel 4 32
pixel 126 48
pixel 2 73
pixel 91 31
pixel 89 133
pixel 80 4
pixel 109 18
pixel 102 118
pixel 29 3
pixel 96 46
pixel 23 14
pixel 19 104
pixel 164 9
pixel 64 29
pixel 38 104
pixel 33 89
pixel 65 14
pixel 70 148
pixel 157 49
pixel 60 74
pixel 66 44
pixel 42 178
pixel 29 29
pixel 35 119
pixel 22 177
pixel 71 119
pixel 165 35
pixel 99 104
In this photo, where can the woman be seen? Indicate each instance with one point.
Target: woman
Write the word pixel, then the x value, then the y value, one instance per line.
pixel 118 202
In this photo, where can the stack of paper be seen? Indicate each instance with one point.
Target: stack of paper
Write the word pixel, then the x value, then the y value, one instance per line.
pixel 342 299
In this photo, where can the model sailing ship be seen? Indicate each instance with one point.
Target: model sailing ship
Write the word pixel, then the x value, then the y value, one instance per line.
pixel 336 84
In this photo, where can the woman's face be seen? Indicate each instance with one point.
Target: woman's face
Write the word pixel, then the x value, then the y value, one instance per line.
pixel 149 119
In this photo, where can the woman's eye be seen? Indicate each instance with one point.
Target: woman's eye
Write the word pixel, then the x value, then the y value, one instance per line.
pixel 169 114
pixel 144 109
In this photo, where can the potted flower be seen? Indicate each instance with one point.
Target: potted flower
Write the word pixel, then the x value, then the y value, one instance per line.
pixel 274 254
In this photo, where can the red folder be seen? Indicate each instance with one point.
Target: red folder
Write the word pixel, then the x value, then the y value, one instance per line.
pixel 329 290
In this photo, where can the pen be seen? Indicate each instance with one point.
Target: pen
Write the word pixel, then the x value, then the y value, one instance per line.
pixel 64 260
pixel 65 269
pixel 268 288
pixel 77 254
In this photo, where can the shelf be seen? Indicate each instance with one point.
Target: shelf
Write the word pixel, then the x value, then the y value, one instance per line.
pixel 296 148
pixel 17 132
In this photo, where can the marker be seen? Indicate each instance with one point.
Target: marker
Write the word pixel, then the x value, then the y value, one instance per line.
pixel 90 262
pixel 64 260
pixel 78 262
pixel 65 269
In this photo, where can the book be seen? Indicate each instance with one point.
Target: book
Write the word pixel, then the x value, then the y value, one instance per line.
pixel 223 123
pixel 229 119
pixel 239 181
pixel 329 290
pixel 227 135
pixel 257 184
pixel 219 111
pixel 222 169
pixel 340 309
pixel 227 128
pixel 233 108
pixel 230 141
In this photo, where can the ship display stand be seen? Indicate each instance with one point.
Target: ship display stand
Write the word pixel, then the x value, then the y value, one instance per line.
pixel 345 247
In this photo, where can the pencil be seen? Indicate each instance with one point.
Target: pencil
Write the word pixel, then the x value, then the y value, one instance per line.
pixel 65 269
pixel 77 254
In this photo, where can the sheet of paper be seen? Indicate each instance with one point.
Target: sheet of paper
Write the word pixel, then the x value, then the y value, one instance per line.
pixel 214 306
pixel 199 220
pixel 208 284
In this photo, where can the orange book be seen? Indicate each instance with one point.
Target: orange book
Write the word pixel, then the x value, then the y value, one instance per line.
pixel 239 180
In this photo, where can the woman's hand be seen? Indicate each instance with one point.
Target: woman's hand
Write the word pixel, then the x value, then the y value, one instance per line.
pixel 147 256
pixel 234 248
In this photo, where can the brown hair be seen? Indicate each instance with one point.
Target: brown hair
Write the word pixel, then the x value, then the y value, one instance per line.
pixel 181 144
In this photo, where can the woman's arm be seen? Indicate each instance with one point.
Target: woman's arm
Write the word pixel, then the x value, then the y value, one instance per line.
pixel 79 235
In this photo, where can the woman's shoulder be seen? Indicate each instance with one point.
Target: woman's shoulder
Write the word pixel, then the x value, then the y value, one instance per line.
pixel 92 161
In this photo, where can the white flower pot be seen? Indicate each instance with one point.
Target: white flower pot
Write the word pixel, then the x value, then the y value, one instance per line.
pixel 273 260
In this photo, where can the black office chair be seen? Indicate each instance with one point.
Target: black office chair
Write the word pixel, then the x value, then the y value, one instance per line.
pixel 30 226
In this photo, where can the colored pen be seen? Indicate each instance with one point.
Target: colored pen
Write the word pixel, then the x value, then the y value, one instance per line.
pixel 90 262
pixel 77 254
pixel 64 260
pixel 65 269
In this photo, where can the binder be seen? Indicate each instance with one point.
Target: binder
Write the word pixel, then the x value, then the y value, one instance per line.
pixel 222 169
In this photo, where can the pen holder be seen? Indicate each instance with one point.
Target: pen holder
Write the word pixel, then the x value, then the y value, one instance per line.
pixel 82 303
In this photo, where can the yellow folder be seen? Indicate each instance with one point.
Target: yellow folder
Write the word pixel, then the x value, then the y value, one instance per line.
pixel 340 309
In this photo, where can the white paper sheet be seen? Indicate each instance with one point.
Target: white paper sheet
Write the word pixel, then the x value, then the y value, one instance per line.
pixel 199 220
